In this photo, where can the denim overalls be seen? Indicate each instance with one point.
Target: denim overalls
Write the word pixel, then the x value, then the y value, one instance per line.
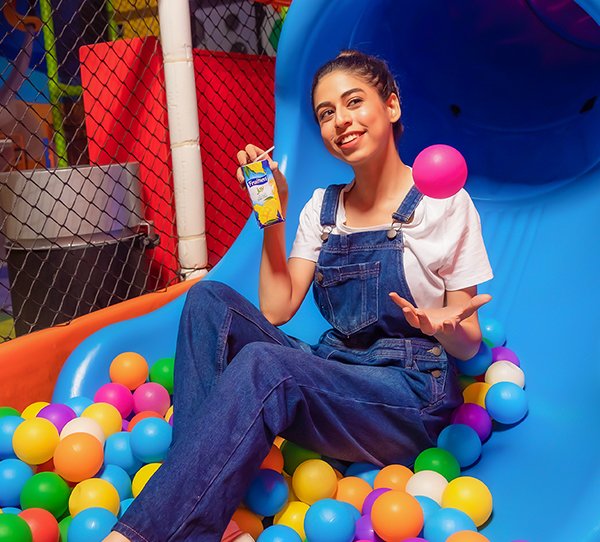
pixel 372 389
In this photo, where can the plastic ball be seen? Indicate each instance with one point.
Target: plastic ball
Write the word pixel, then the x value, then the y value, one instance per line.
pixel 438 460
pixel 14 528
pixel 142 476
pixel 506 402
pixel 501 353
pixel 274 460
pixel 142 416
pixel 150 440
pixel 63 527
pixel 162 372
pixel 107 416
pixel 129 369
pixel 353 490
pixel 14 474
pixel 117 451
pixel 393 477
pixel 370 499
pixel 151 396
pixel 249 522
pixel 83 425
pixel 467 536
pixel 117 395
pixel 169 415
pixel 58 414
pixel 492 331
pixel 364 530
pixel 478 364
pixel 471 496
pixel 396 515
pixel 505 371
pixel 293 455
pixel 428 506
pixel 32 410
pixel 267 493
pixel 427 483
pixel 439 171
pixel 124 506
pixel 78 456
pixel 46 490
pixel 79 403
pixel 361 467
pixel 279 533
pixel 462 442
pixel 93 493
pixel 292 515
pixel 8 411
pixel 475 393
pixel 35 440
pixel 11 510
pixel 91 525
pixel 464 381
pixel 314 480
pixel 43 525
pixel 445 522
pixel 329 520
pixel 118 478
pixel 474 416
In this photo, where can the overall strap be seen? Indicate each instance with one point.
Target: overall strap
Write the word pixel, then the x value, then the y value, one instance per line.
pixel 408 205
pixel 331 200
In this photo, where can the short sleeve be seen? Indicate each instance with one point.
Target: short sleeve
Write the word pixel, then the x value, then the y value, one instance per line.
pixel 307 243
pixel 467 263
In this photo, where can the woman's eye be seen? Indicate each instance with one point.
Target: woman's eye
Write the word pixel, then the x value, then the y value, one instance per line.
pixel 354 101
pixel 325 113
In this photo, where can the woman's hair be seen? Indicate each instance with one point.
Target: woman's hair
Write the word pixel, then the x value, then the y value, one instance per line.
pixel 370 69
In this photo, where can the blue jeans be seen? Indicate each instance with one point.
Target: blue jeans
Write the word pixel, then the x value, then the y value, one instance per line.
pixel 240 381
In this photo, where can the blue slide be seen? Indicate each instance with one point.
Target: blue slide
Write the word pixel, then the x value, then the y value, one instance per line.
pixel 513 85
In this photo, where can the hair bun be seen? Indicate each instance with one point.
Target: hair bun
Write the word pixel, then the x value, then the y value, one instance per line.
pixel 347 53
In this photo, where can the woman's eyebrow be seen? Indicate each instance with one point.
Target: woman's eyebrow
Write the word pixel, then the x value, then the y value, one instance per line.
pixel 344 94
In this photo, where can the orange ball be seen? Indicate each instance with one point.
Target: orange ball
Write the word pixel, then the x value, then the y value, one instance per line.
pixel 141 416
pixel 249 522
pixel 278 441
pixel 353 490
pixel 467 536
pixel 396 516
pixel 393 477
pixel 129 369
pixel 43 525
pixel 78 457
pixel 274 460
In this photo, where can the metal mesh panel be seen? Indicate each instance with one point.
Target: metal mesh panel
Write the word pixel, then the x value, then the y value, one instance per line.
pixel 87 216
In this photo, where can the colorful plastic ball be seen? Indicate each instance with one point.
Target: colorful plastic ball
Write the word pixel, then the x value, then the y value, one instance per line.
pixel 35 440
pixel 475 393
pixel 474 416
pixel 150 440
pixel 478 364
pixel 91 525
pixel 129 369
pixel 329 520
pixel 78 456
pixel 169 415
pixel 142 476
pixel 445 522
pixel 353 490
pixel 162 372
pixel 151 396
pixel 8 425
pixel 292 515
pixel 79 403
pixel 107 416
pixel 117 451
pixel 14 474
pixel 46 490
pixel 364 530
pixel 506 402
pixel 396 515
pixel 93 493
pixel 438 460
pixel 125 504
pixel 58 414
pixel 467 536
pixel 492 331
pixel 439 171
pixel 118 478
pixel 279 533
pixel 249 522
pixel 314 480
pixel 274 460
pixel 14 528
pixel 117 395
pixel 505 371
pixel 370 499
pixel 293 455
pixel 359 468
pixel 462 442
pixel 142 416
pixel 471 496
pixel 63 527
pixel 8 411
pixel 11 510
pixel 465 381
pixel 427 483
pixel 428 506
pixel 393 477
pixel 83 425
pixel 267 493
pixel 43 525
pixel 32 410
pixel 502 353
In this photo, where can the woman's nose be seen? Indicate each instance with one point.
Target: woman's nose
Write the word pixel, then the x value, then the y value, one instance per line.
pixel 342 118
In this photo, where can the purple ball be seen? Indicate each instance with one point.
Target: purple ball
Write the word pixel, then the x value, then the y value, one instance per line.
pixel 364 530
pixel 57 413
pixel 476 417
pixel 171 420
pixel 370 499
pixel 501 353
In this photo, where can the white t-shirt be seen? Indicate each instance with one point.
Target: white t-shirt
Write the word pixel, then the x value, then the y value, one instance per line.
pixel 444 248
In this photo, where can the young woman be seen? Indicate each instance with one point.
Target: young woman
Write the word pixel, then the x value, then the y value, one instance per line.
pixel 395 274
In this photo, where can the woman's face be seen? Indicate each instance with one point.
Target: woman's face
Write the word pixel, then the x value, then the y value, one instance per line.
pixel 355 122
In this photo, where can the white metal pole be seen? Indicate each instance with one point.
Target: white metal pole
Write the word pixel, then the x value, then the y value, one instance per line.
pixel 182 108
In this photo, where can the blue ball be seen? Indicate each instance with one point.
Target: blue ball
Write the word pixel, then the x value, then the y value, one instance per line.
pixel 79 404
pixel 117 451
pixel 150 440
pixel 91 525
pixel 506 402
pixel 8 424
pixel 462 441
pixel 478 364
pixel 124 506
pixel 279 533
pixel 13 475
pixel 119 479
pixel 492 331
pixel 366 471
pixel 267 494
pixel 12 510
pixel 444 522
pixel 329 520
pixel 428 505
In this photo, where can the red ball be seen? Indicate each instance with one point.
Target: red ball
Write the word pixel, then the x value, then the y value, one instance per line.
pixel 43 525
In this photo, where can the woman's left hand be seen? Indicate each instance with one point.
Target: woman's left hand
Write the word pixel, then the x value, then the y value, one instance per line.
pixel 443 320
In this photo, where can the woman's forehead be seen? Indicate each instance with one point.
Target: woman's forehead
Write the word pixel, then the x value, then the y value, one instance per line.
pixel 336 83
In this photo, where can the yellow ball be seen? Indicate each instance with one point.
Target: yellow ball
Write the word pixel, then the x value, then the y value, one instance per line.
pixel 94 493
pixel 107 416
pixel 142 476
pixel 471 496
pixel 314 480
pixel 33 410
pixel 169 413
pixel 475 393
pixel 35 440
pixel 292 515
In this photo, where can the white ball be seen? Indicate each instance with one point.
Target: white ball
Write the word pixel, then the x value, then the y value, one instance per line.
pixel 505 371
pixel 83 425
pixel 427 483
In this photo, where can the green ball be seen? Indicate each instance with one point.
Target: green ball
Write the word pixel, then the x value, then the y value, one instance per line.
pixel 293 455
pixel 46 490
pixel 14 529
pixel 63 527
pixel 162 373
pixel 438 460
pixel 8 411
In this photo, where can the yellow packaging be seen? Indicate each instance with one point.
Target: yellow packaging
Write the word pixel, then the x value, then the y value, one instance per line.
pixel 263 193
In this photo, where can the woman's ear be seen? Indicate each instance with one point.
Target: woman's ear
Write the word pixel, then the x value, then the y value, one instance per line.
pixel 393 107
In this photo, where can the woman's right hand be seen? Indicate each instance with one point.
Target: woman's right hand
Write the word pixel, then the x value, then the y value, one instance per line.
pixel 249 154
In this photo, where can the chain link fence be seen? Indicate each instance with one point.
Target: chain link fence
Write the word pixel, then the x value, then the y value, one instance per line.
pixel 87 216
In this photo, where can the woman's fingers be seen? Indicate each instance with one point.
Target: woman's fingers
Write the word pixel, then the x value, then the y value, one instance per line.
pixel 425 323
pixel 401 301
pixel 475 304
pixel 411 317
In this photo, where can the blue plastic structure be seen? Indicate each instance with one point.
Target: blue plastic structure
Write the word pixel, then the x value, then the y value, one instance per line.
pixel 514 87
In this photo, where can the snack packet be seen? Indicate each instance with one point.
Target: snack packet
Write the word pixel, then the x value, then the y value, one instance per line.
pixel 263 193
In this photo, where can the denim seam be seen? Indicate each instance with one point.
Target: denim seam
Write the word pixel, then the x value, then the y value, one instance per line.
pixel 222 343
pixel 245 317
pixel 129 527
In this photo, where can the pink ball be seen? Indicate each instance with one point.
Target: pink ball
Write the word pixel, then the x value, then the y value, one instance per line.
pixel 151 396
pixel 439 171
pixel 116 395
